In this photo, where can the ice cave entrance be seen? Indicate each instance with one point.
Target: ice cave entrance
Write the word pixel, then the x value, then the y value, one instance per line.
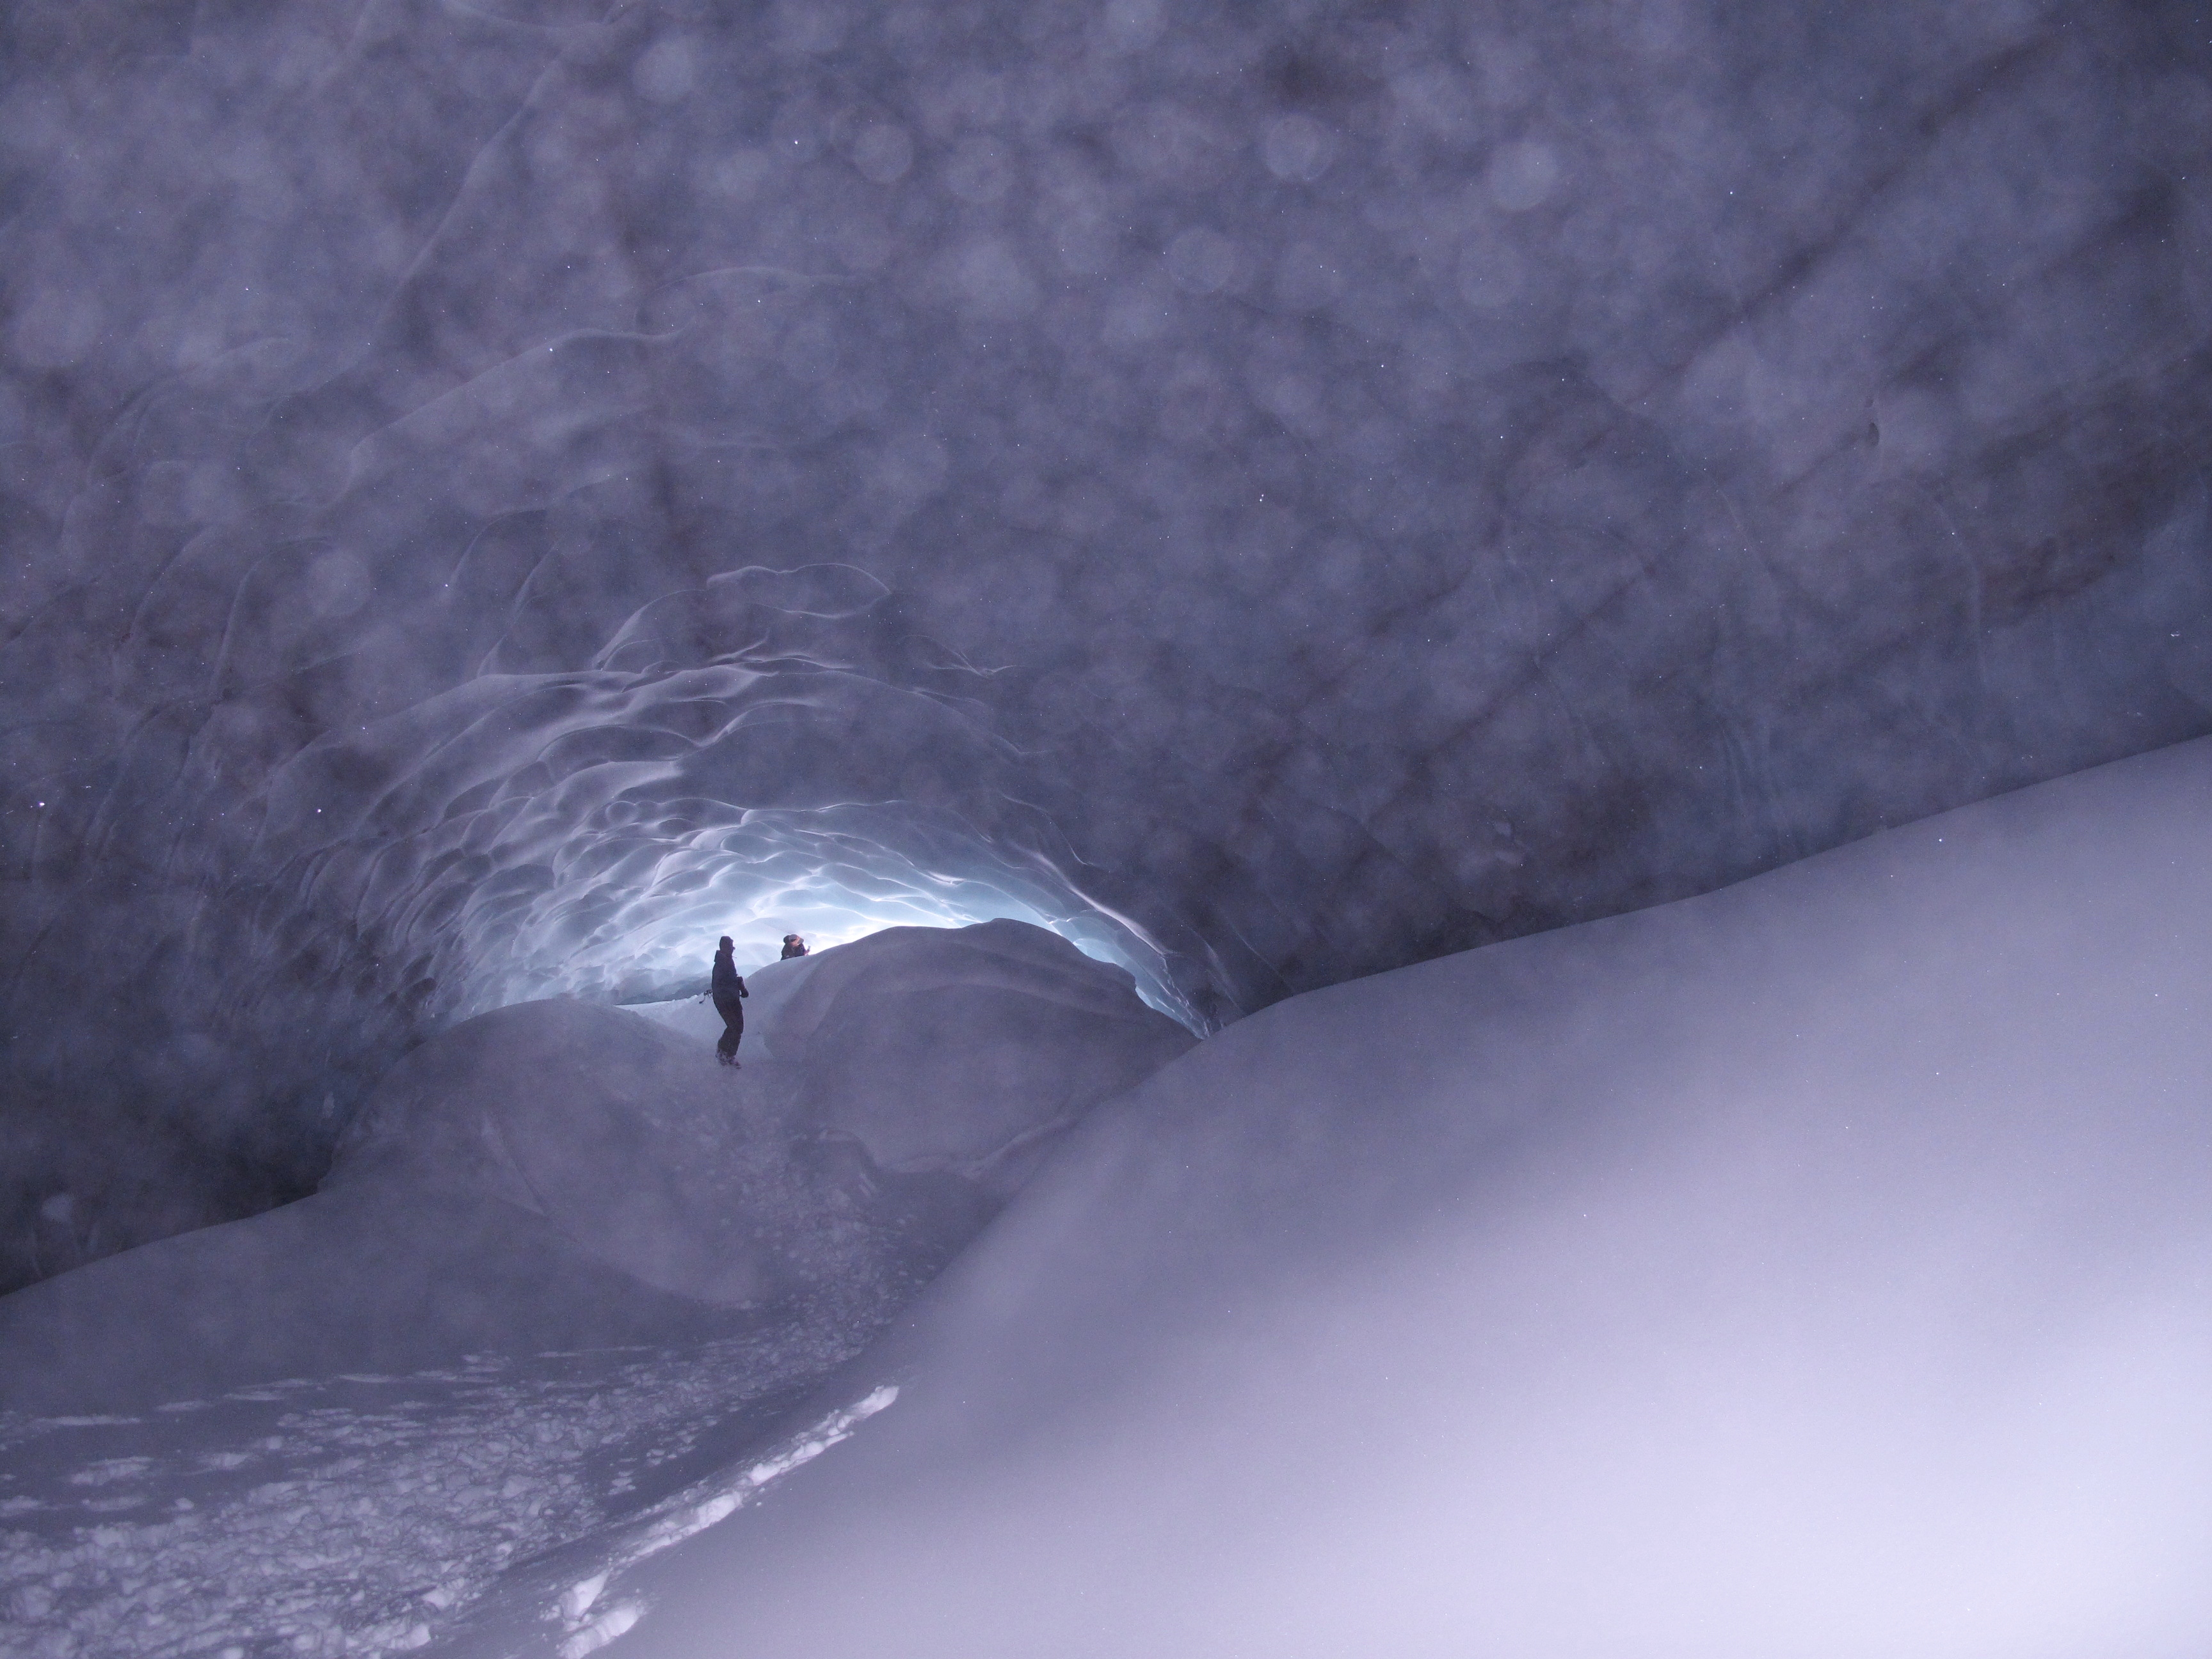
pixel 630 913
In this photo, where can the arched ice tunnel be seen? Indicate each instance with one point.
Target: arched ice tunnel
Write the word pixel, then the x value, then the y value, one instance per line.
pixel 497 494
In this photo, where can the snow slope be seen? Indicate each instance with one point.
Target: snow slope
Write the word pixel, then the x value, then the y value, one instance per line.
pixel 564 1264
pixel 1819 1269
pixel 964 1049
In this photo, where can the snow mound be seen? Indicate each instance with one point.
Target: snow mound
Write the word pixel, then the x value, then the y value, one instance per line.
pixel 562 1174
pixel 952 1048
pixel 1815 1267
pixel 634 1144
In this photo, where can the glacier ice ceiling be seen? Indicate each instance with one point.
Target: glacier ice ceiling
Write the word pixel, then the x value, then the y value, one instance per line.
pixel 495 495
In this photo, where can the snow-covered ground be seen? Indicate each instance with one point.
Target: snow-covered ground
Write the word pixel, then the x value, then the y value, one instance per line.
pixel 939 1049
pixel 1817 1268
pixel 562 1292
pixel 361 1514
pixel 1820 1268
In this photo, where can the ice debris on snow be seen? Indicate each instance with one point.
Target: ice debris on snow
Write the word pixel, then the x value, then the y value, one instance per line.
pixel 687 1514
pixel 378 1511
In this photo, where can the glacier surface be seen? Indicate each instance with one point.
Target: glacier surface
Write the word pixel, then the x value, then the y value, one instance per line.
pixel 1815 1267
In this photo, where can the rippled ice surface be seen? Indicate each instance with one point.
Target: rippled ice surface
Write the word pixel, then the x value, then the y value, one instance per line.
pixel 362 1515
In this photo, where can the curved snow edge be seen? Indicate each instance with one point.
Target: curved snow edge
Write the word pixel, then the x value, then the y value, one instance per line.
pixel 686 1515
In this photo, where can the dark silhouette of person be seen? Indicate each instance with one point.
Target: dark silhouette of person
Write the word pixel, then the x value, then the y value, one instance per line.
pixel 729 992
pixel 792 947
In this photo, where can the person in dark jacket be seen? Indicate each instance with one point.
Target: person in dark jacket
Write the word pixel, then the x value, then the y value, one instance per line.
pixel 793 946
pixel 729 990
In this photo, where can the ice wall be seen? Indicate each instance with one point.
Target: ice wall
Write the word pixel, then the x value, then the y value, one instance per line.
pixel 1316 488
pixel 773 751
pixel 1814 1267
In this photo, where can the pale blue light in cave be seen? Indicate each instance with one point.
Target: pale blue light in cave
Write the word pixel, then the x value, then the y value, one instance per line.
pixel 636 911
pixel 828 911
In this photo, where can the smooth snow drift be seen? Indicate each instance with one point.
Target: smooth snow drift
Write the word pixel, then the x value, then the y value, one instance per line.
pixel 1819 1269
pixel 967 1049
pixel 565 1268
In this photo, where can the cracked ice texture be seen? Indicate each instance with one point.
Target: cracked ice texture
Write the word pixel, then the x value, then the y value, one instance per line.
pixel 1337 486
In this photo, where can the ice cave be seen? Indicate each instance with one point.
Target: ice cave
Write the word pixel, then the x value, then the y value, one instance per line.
pixel 1492 722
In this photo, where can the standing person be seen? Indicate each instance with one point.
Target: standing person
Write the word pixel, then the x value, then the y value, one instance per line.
pixel 792 947
pixel 729 991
